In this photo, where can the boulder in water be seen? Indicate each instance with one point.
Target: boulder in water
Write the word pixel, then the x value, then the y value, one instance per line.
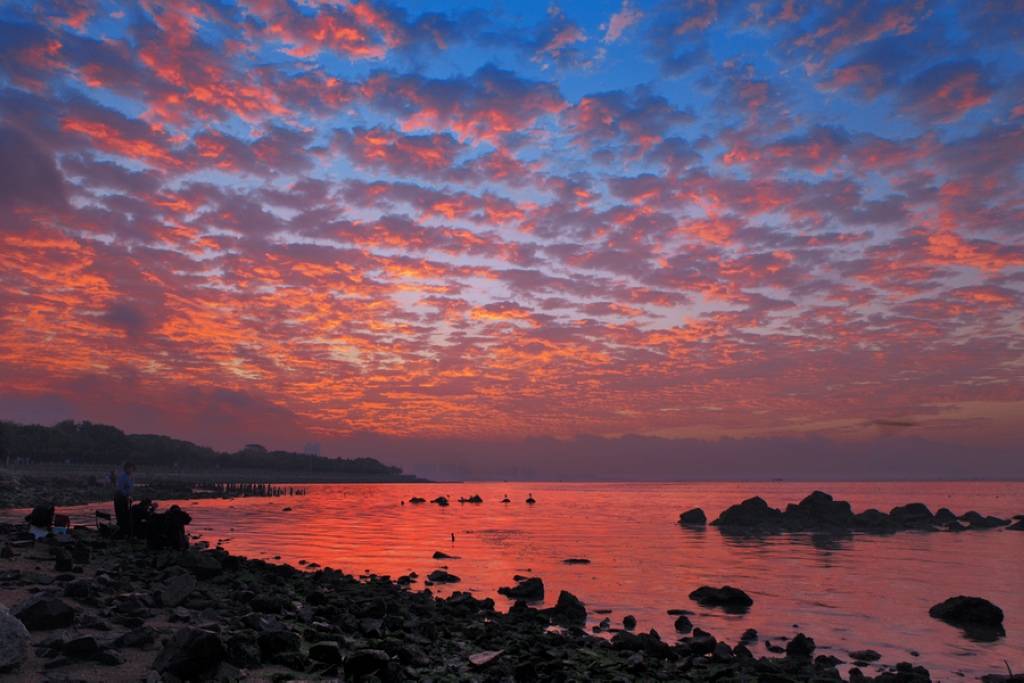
pixel 694 517
pixel 732 600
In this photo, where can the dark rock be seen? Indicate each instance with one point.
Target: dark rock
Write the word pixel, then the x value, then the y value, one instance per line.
pixel 528 589
pixel 139 638
pixel 818 511
pixel 944 516
pixel 203 564
pixel 191 654
pixel 629 622
pixel 82 647
pixel 963 610
pixel 749 635
pixel 273 643
pixel 750 514
pixel 694 517
pixel 441 576
pixel 568 611
pixel 270 604
pixel 416 499
pixel 865 656
pixel 438 555
pixel 722 653
pixel 63 561
pixel 43 611
pixel 327 652
pixel 874 521
pixel 683 625
pixel 14 641
pixel 912 516
pixel 701 643
pixel 624 640
pixel 7 552
pixel 177 590
pixel 79 589
pixel 296 661
pixel 576 560
pixel 365 663
pixel 979 522
pixel 800 647
pixel 732 600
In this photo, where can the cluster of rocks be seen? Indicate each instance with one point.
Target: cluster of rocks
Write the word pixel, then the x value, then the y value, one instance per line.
pixel 207 615
pixel 819 512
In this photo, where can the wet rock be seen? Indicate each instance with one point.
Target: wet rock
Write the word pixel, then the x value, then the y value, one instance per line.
pixel 977 521
pixel 44 611
pixel 694 517
pixel 818 511
pixel 752 513
pixel 629 622
pixel 978 618
pixel 191 654
pixel 568 611
pixel 722 653
pixel 732 600
pixel 701 643
pixel 14 641
pixel 865 656
pixel 438 555
pixel 417 500
pixel 912 516
pixel 528 589
pixel 683 624
pixel 800 647
pixel 441 576
pixel 945 516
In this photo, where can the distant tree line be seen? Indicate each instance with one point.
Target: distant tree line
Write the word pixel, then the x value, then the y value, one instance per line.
pixel 89 443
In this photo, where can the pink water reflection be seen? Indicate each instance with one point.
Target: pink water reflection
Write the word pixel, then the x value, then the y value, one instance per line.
pixel 854 593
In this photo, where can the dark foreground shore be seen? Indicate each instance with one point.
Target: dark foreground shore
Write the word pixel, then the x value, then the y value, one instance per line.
pixel 100 610
pixel 81 607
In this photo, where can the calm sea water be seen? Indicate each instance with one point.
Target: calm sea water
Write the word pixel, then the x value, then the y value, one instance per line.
pixel 861 592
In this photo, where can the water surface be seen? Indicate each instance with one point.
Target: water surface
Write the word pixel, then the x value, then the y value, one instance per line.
pixel 847 593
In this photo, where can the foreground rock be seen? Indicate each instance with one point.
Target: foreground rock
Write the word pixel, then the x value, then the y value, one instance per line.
pixel 977 617
pixel 14 640
pixel 820 513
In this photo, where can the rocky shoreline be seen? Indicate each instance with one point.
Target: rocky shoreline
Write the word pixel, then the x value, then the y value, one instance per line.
pixel 96 609
pixel 81 607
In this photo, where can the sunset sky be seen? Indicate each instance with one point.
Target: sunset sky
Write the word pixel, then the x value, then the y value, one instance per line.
pixel 285 220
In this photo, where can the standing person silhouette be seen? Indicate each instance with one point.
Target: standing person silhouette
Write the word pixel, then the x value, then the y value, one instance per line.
pixel 123 498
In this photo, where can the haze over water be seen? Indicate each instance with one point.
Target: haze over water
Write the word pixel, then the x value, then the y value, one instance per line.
pixel 847 593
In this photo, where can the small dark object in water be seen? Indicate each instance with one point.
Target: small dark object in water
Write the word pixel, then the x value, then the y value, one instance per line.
pixel 576 560
pixel 730 599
